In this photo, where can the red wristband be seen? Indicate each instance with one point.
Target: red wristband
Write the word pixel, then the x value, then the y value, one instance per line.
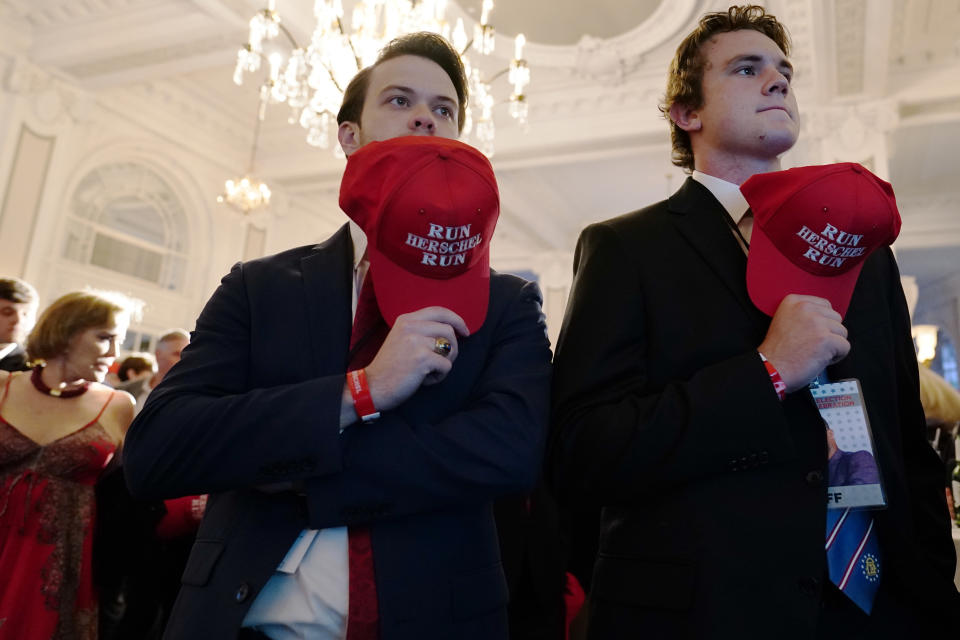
pixel 778 384
pixel 360 391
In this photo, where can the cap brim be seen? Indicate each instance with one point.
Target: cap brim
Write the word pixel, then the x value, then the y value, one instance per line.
pixel 771 277
pixel 399 291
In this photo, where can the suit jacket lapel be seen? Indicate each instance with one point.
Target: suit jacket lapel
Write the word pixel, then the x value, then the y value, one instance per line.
pixel 327 277
pixel 699 218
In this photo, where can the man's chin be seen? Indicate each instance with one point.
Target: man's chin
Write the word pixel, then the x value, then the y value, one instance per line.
pixel 778 143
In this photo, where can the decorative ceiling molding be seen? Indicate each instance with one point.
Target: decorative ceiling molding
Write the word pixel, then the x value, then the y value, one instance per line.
pixel 581 101
pixel 930 111
pixel 853 123
pixel 849 22
pixel 44 14
pixel 593 57
pixel 799 20
pixel 223 45
pixel 54 102
pixel 180 119
pixel 923 34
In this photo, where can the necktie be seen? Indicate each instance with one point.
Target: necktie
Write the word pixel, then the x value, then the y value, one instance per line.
pixel 369 331
pixel 853 555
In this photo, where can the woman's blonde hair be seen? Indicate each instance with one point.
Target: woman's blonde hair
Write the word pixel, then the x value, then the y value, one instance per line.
pixel 72 313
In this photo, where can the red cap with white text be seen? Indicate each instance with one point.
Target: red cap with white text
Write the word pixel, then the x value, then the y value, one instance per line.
pixel 429 206
pixel 813 229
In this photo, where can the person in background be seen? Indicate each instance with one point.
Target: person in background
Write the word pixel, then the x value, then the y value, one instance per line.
pixel 167 352
pixel 710 465
pixel 59 427
pixel 137 366
pixel 18 311
pixel 144 544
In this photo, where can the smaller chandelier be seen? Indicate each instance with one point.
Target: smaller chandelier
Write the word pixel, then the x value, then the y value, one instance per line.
pixel 247 193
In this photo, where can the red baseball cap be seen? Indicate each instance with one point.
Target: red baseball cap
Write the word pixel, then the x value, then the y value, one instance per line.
pixel 428 206
pixel 813 229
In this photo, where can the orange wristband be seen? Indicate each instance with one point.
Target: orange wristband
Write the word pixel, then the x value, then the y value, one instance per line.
pixel 360 392
pixel 778 384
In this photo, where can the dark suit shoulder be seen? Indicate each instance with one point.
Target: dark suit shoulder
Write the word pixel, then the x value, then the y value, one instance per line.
pixel 634 226
pixel 646 215
pixel 290 259
pixel 287 256
pixel 507 282
pixel 505 288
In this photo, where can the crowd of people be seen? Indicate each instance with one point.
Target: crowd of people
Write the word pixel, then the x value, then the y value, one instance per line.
pixel 69 529
pixel 391 451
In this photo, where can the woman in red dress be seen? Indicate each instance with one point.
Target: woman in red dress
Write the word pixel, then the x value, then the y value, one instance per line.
pixel 59 426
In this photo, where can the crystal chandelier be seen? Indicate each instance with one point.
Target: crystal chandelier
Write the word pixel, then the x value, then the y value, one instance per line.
pixel 246 193
pixel 311 80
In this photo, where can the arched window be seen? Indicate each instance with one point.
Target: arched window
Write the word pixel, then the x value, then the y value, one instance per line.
pixel 125 218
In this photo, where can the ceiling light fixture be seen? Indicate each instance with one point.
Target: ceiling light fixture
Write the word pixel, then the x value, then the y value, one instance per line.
pixel 311 80
pixel 247 193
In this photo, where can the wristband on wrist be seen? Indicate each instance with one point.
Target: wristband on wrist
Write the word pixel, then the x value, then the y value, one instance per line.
pixel 778 384
pixel 360 392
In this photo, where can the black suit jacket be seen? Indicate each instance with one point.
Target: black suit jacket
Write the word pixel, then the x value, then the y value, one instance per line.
pixel 16 360
pixel 255 401
pixel 713 490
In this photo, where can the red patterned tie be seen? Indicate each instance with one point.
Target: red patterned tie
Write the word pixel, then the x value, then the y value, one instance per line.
pixel 369 331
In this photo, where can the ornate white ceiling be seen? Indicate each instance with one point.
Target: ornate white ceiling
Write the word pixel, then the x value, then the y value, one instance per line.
pixel 595 146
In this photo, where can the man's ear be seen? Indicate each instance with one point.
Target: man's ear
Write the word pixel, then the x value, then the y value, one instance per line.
pixel 685 117
pixel 349 136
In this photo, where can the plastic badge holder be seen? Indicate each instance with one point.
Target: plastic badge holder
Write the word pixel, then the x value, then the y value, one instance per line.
pixel 855 480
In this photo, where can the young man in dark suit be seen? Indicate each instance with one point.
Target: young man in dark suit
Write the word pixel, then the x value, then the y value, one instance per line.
pixel 18 312
pixel 713 488
pixel 268 413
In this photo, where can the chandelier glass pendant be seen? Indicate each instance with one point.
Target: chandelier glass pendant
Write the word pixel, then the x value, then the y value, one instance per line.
pixel 246 193
pixel 311 80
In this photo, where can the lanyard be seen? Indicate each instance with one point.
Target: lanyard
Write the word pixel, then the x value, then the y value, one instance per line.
pixel 736 229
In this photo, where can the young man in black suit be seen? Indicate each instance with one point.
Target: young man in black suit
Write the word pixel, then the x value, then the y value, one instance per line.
pixel 18 312
pixel 301 448
pixel 713 488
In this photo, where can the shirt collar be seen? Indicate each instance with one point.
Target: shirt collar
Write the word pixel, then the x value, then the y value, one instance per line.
pixel 7 350
pixel 359 239
pixel 727 193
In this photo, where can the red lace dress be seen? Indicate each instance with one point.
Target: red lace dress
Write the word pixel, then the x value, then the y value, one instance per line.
pixel 47 513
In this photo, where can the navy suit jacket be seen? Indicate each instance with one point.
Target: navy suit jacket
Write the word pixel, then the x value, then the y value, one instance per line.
pixel 255 401
pixel 714 491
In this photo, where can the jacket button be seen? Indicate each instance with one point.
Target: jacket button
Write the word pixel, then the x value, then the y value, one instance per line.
pixel 809 585
pixel 243 591
pixel 814 478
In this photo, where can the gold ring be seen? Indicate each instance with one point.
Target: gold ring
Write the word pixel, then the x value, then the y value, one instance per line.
pixel 442 347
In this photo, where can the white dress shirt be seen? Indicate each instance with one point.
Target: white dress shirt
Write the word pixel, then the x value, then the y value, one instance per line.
pixel 7 349
pixel 733 202
pixel 308 594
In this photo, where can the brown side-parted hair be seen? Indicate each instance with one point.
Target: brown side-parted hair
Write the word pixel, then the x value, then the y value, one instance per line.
pixel 422 43
pixel 685 79
pixel 72 313
pixel 139 362
pixel 18 291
